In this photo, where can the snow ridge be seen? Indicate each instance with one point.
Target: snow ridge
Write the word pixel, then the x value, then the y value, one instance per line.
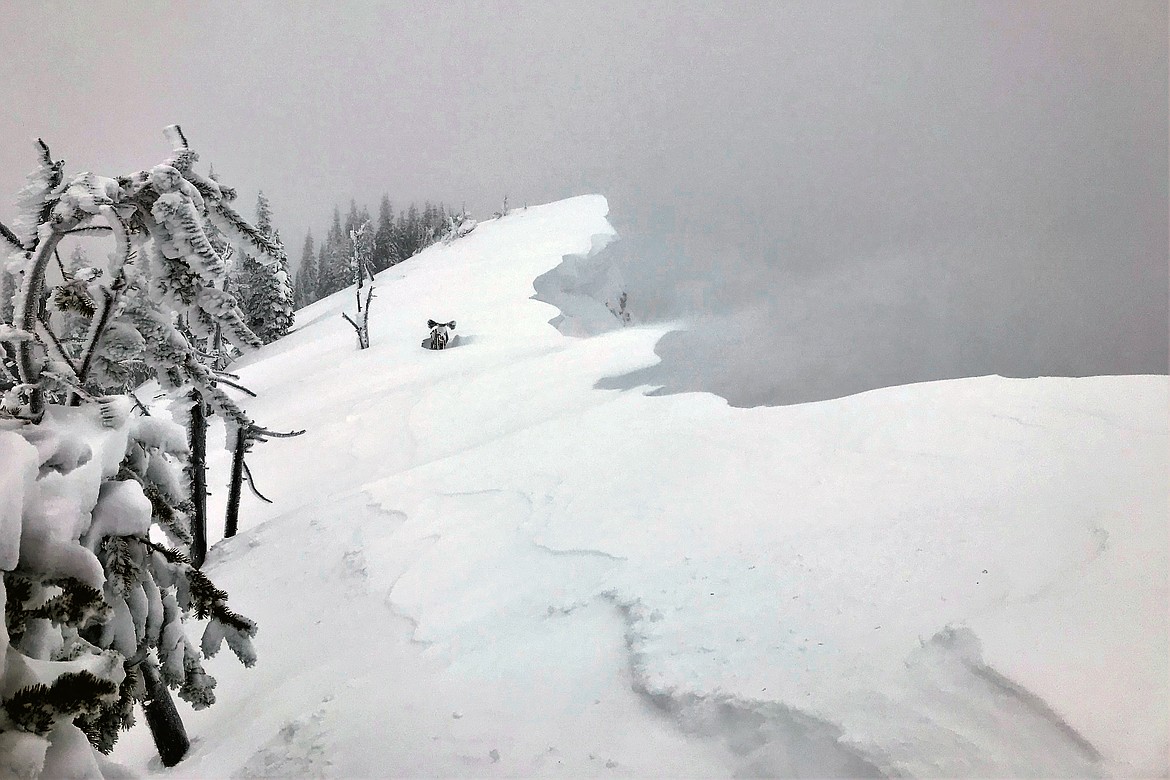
pixel 516 573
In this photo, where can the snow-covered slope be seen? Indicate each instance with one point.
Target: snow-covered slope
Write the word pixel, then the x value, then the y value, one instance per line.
pixel 480 564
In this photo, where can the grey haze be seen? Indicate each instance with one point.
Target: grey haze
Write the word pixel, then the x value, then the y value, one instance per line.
pixel 837 195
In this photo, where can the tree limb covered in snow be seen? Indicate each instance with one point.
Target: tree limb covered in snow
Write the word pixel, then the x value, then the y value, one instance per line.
pixel 263 434
pixel 219 378
pixel 27 308
pixel 13 242
pixel 89 230
pixel 53 345
pixel 237 228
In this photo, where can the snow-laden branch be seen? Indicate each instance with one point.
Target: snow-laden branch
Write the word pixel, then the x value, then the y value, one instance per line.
pixel 176 217
pixel 36 199
pixel 108 297
pixel 183 157
pixel 89 230
pixel 209 188
pixel 256 433
pixel 54 348
pixel 235 386
pixel 174 134
pixel 237 230
pixel 10 239
pixel 28 302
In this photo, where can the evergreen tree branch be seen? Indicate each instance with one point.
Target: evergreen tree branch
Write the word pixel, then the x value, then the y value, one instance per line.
pixel 56 177
pixel 27 308
pixel 176 221
pixel 18 589
pixel 252 485
pixel 97 326
pixel 76 605
pixel 161 510
pixel 175 135
pixel 46 157
pixel 208 601
pixel 141 406
pixel 37 708
pixel 69 382
pixel 109 298
pixel 172 357
pixel 101 728
pixel 10 237
pixel 88 230
pixel 237 228
pixel 234 386
pixel 257 433
pixel 54 346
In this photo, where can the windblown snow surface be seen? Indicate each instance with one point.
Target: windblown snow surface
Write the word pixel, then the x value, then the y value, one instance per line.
pixel 480 564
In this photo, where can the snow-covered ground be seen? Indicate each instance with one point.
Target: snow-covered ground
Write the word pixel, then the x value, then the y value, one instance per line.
pixel 481 564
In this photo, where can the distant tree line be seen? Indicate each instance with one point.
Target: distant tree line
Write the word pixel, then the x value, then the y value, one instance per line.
pixel 327 267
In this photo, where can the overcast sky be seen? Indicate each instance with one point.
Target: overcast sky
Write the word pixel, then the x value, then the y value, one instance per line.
pixel 1005 161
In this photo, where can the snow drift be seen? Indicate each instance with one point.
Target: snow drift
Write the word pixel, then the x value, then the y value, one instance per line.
pixel 479 563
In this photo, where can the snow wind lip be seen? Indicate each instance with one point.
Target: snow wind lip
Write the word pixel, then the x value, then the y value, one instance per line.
pixel 577 287
pixel 764 738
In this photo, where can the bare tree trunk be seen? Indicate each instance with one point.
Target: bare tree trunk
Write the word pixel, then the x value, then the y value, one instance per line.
pixel 197 437
pixel 231 522
pixel 364 331
pixel 170 737
pixel 361 269
pixel 362 324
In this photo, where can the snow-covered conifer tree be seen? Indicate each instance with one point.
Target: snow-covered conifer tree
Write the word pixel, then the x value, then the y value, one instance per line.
pixel 408 231
pixel 384 249
pixel 458 226
pixel 333 272
pixel 306 284
pixel 94 603
pixel 263 286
